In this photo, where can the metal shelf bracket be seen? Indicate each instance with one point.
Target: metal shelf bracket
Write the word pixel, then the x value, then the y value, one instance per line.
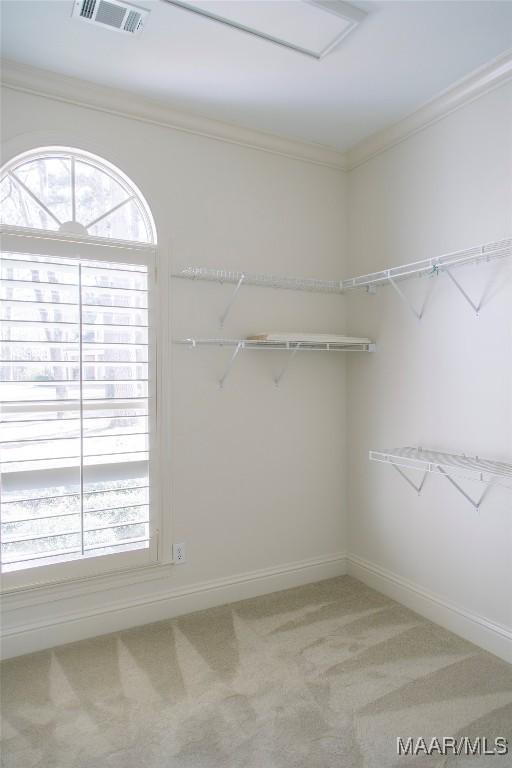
pixel 230 364
pixel 222 318
pixel 417 488
pixel 476 503
pixel 293 352
pixel 418 314
pixel 470 301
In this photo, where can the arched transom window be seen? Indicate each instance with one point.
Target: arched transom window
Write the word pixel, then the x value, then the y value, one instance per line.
pixel 73 192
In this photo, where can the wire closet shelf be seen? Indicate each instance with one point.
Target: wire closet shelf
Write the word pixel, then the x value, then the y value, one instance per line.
pixel 474 468
pixel 293 347
pixel 349 345
pixel 260 279
pixel 430 267
pixel 433 265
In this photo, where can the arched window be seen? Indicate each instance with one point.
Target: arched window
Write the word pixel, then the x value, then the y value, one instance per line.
pixel 78 358
pixel 73 192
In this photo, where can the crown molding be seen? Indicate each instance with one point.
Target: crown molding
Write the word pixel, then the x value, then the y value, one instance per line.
pixel 483 80
pixel 20 77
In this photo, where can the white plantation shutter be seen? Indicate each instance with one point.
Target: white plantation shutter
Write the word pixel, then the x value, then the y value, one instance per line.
pixel 77 398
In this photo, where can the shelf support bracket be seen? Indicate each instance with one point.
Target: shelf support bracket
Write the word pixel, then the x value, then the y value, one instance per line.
pixel 468 298
pixel 226 312
pixel 417 488
pixel 277 379
pixel 407 301
pixel 230 364
pixel 476 503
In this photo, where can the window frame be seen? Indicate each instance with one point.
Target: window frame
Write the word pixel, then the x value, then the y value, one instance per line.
pixel 93 161
pixel 33 242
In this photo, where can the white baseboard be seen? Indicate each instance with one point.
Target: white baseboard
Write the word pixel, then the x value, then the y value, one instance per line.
pixel 23 635
pixel 493 637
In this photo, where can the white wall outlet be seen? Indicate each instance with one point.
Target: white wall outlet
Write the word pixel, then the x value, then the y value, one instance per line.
pixel 179 553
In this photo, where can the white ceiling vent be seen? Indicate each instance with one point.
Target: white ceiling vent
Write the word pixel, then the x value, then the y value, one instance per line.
pixel 121 17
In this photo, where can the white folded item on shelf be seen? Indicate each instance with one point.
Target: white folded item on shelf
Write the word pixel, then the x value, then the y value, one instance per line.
pixel 310 338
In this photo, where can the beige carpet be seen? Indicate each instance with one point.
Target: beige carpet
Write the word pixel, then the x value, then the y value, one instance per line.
pixel 321 676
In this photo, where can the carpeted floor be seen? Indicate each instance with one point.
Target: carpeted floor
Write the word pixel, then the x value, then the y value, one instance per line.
pixel 322 676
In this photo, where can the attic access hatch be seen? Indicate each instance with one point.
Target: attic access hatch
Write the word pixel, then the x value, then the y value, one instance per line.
pixel 121 17
pixel 312 27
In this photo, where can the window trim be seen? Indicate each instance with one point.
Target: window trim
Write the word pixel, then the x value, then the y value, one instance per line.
pixel 36 242
pixel 23 240
pixel 122 561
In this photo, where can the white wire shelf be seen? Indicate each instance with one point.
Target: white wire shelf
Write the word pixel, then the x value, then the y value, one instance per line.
pixel 434 265
pixel 263 280
pixel 431 268
pixel 293 347
pixel 477 254
pixel 474 468
pixel 427 267
pixel 349 345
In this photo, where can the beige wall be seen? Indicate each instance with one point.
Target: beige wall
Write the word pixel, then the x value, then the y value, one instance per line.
pixel 444 382
pixel 258 473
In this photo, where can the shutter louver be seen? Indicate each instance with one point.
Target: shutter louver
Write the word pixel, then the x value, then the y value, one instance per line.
pixel 74 444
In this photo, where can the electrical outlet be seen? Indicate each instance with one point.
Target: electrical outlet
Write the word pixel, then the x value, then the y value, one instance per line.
pixel 179 553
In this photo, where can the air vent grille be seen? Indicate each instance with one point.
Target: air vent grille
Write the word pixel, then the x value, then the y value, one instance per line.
pixel 112 14
pixel 87 9
pixel 132 21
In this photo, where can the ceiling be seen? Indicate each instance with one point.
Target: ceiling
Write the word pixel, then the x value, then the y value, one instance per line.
pixel 402 55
